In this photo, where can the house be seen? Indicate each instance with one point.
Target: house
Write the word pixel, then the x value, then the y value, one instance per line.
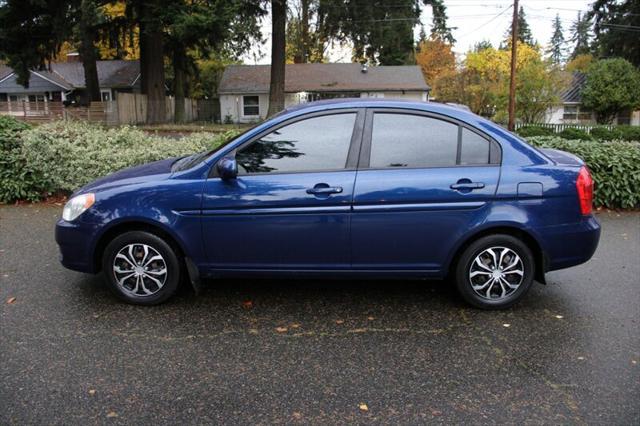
pixel 244 89
pixel 65 80
pixel 571 110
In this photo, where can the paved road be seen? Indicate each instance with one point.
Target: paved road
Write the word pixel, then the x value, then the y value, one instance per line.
pixel 313 352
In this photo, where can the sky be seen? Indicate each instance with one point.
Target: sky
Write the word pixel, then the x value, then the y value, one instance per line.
pixel 474 20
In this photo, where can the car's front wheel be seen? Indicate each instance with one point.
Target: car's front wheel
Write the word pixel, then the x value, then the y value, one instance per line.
pixel 495 271
pixel 141 268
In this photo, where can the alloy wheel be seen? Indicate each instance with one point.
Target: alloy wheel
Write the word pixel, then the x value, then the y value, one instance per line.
pixel 496 273
pixel 139 269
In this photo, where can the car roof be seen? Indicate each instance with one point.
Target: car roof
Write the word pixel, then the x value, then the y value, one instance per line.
pixel 327 104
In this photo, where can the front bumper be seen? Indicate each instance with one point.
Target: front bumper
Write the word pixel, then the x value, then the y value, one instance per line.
pixel 76 244
pixel 570 244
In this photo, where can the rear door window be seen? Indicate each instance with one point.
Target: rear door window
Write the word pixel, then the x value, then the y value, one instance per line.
pixel 417 141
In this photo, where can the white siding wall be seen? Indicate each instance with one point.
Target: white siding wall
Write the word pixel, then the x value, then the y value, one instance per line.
pixel 554 115
pixel 409 95
pixel 232 105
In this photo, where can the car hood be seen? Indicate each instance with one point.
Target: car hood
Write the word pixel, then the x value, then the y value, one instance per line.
pixel 156 170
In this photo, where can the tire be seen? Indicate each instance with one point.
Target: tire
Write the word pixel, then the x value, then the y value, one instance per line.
pixel 476 268
pixel 124 261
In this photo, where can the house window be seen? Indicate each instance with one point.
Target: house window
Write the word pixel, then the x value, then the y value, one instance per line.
pixel 251 105
pixel 576 113
pixel 106 95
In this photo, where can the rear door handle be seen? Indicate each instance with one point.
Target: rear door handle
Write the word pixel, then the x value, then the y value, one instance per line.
pixel 321 189
pixel 469 185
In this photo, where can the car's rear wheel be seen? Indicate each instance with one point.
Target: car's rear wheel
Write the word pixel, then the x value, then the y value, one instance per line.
pixel 495 271
pixel 141 268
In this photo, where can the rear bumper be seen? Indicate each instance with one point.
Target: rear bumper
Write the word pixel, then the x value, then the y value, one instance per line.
pixel 75 241
pixel 570 244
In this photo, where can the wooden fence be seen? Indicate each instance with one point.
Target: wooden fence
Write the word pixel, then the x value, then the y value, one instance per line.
pixel 557 128
pixel 128 108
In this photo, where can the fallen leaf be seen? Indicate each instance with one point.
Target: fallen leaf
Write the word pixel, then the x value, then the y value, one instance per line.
pixel 339 321
pixel 370 318
pixel 559 316
pixel 253 331
pixel 295 325
pixel 281 329
pixel 363 407
pixel 92 392
pixel 507 325
pixel 436 412
pixel 581 358
pixel 247 304
pixel 112 414
pixel 634 362
pixel 296 415
pixel 11 300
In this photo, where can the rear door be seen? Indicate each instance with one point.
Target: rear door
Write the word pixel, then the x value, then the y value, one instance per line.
pixel 290 206
pixel 423 180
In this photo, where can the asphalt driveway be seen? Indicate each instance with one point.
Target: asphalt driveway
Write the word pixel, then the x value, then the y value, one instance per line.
pixel 330 352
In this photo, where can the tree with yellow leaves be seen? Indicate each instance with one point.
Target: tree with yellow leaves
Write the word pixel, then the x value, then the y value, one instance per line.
pixel 436 60
pixel 483 83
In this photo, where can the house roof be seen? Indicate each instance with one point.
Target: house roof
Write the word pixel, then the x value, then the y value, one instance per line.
pixel 323 78
pixel 573 93
pixel 70 75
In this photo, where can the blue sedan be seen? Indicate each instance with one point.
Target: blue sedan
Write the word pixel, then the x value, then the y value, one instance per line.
pixel 352 189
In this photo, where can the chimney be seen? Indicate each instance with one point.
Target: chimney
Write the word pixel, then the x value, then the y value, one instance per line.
pixel 73 57
pixel 364 68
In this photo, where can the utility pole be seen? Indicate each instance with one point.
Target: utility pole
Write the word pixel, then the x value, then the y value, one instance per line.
pixel 512 83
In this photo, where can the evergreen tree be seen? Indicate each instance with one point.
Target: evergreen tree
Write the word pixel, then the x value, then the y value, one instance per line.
pixel 581 37
pixel 482 45
pixel 524 31
pixel 616 26
pixel 556 49
pixel 439 28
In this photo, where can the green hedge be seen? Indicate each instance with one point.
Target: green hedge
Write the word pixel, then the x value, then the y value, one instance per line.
pixel 530 131
pixel 17 179
pixel 63 156
pixel 615 167
pixel 574 134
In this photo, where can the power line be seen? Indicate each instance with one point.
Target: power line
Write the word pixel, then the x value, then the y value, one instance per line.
pixel 486 23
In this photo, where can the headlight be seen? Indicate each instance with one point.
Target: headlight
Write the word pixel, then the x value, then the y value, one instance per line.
pixel 77 205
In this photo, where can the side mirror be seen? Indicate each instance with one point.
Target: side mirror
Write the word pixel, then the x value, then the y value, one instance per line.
pixel 227 168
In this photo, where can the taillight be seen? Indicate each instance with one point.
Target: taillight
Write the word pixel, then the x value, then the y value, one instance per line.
pixel 584 185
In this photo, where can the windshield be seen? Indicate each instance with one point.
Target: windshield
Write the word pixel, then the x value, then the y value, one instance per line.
pixel 189 161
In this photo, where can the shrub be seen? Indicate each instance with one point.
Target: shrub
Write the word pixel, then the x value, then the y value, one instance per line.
pixel 530 131
pixel 615 167
pixel 604 134
pixel 63 156
pixel 17 179
pixel 629 133
pixel 574 134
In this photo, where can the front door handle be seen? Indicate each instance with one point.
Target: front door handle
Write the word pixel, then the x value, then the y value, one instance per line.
pixel 324 189
pixel 467 186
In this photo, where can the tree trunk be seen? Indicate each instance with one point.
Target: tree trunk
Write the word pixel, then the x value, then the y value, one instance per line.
pixel 302 54
pixel 179 71
pixel 88 51
pixel 152 67
pixel 276 89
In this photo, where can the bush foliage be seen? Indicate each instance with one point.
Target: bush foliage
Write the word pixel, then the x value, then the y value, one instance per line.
pixel 574 134
pixel 17 179
pixel 615 167
pixel 63 156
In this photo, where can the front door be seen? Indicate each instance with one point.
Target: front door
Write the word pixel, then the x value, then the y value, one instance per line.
pixel 289 208
pixel 423 181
